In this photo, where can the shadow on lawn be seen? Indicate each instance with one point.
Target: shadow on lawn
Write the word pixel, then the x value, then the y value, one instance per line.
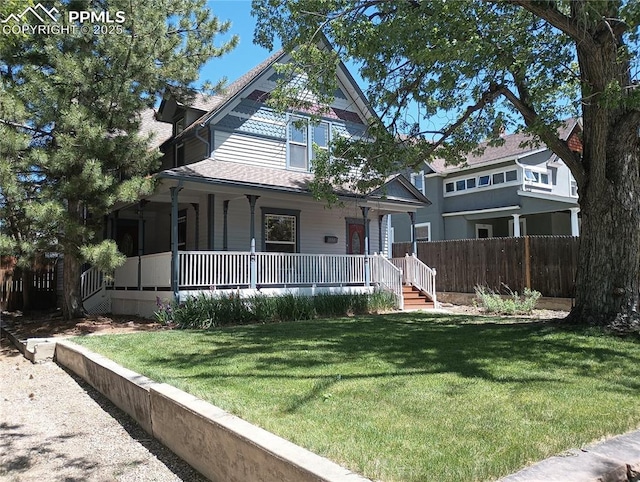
pixel 408 344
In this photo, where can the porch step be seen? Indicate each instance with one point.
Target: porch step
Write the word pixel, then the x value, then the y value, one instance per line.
pixel 415 299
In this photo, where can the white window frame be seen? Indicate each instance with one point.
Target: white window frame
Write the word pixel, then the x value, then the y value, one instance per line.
pixel 179 125
pixel 278 242
pixel 488 227
pixel 533 182
pixel 309 144
pixel 423 225
pixel 421 176
pixel 478 185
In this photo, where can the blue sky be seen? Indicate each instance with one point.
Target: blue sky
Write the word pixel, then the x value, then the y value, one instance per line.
pixel 246 55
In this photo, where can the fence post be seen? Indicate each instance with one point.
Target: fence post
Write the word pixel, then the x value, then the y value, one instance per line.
pixel 527 263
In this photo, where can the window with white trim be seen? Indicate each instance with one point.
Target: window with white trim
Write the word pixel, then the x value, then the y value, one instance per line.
pixel 417 179
pixel 280 233
pixel 298 135
pixel 573 186
pixel 423 231
pixel 480 181
pixel 532 176
pixel 305 140
pixel 484 231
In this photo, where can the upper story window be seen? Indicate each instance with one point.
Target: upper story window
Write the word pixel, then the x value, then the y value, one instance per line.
pixel 320 137
pixel 305 140
pixel 480 181
pixel 536 177
pixel 178 126
pixel 417 179
pixel 574 188
pixel 423 232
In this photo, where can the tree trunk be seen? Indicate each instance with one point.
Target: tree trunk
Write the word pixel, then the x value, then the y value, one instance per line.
pixel 608 278
pixel 71 298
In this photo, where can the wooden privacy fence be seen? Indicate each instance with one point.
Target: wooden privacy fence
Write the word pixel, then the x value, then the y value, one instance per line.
pixel 544 263
pixel 41 283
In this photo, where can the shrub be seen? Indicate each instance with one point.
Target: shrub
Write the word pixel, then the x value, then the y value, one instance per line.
pixel 513 304
pixel 205 311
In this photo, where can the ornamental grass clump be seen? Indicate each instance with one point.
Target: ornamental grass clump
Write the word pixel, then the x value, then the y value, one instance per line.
pixel 512 304
pixel 206 311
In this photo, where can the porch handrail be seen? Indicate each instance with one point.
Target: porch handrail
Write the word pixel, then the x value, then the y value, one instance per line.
pixel 309 269
pixel 418 274
pixel 387 276
pixel 91 282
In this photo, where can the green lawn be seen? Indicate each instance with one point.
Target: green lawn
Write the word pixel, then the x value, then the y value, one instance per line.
pixel 406 397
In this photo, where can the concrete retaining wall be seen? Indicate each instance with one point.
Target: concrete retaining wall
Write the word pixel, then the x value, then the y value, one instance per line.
pixel 221 446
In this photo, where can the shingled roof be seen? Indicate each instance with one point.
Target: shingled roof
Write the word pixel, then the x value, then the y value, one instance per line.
pixel 511 148
pixel 160 131
pixel 210 104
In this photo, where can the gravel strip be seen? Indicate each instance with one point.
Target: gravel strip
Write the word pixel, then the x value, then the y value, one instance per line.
pixel 53 427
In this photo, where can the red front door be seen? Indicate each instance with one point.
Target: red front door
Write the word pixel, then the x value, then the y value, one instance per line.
pixel 355 242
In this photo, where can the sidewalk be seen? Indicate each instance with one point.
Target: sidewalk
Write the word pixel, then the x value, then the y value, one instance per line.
pixel 55 427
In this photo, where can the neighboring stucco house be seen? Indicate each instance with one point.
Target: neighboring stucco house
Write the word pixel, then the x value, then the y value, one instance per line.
pixel 233 209
pixel 509 190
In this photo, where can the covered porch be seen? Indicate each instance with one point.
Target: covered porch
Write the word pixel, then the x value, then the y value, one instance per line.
pixel 211 227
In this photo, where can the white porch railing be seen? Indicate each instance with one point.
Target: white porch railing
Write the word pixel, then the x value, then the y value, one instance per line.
pixel 387 276
pixel 214 268
pixel 91 281
pixel 206 270
pixel 417 274
pixel 309 269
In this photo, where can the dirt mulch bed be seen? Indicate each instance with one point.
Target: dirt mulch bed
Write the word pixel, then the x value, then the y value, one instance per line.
pixel 47 325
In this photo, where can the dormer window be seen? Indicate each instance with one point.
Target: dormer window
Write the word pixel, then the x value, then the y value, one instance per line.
pixel 178 126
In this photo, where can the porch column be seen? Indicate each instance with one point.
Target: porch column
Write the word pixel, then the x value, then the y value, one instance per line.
pixel 516 225
pixel 196 208
pixel 225 229
pixel 175 259
pixel 380 217
pixel 141 205
pixel 414 241
pixel 367 268
pixel 210 221
pixel 252 234
pixel 575 228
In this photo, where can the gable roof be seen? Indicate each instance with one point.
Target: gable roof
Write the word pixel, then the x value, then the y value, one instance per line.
pixel 510 149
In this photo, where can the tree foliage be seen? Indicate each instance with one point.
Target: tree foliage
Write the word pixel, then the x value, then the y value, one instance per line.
pixel 475 69
pixel 70 119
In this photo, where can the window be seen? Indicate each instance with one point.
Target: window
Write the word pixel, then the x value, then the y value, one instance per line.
pixel 484 181
pixel 280 233
pixel 178 126
pixel 498 178
pixel 423 232
pixel 471 183
pixel 574 188
pixel 320 137
pixel 182 230
pixel 537 177
pixel 461 185
pixel 180 155
pixel 298 146
pixel 511 175
pixel 449 187
pixel 484 231
pixel 417 179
